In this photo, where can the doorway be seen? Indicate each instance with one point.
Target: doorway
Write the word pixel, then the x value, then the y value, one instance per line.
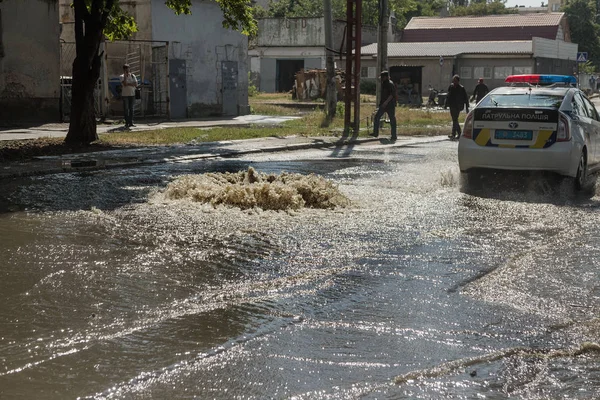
pixel 230 87
pixel 177 90
pixel 286 74
pixel 408 82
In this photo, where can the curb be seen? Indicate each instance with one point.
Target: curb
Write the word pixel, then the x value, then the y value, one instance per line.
pixel 90 163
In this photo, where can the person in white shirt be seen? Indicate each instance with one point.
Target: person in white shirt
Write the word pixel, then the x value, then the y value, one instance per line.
pixel 129 84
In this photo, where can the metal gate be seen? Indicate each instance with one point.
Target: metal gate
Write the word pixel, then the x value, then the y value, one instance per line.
pixel 160 86
pixel 148 60
pixel 67 56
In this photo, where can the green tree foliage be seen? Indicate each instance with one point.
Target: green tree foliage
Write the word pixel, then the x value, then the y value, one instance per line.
pixel 581 15
pixel 587 68
pixel 119 24
pixel 482 7
pixel 96 19
pixel 403 9
pixel 423 9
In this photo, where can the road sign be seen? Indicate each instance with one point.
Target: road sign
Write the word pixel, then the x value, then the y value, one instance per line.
pixel 582 57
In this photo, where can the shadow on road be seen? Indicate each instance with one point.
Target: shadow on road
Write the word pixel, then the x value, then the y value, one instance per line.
pixel 528 186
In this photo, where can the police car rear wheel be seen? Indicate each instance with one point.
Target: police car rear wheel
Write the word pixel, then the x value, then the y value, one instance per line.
pixel 581 176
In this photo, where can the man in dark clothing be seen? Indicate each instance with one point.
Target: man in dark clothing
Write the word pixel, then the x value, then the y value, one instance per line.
pixel 387 103
pixel 480 91
pixel 456 99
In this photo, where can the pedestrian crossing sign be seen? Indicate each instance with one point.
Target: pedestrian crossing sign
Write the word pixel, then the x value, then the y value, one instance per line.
pixel 582 57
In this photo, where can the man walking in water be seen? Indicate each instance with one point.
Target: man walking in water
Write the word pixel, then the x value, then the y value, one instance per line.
pixel 387 103
pixel 456 99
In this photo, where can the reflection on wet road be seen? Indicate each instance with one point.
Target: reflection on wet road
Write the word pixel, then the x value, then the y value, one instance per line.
pixel 427 286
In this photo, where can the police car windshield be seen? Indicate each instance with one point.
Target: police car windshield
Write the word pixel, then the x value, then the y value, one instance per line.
pixel 522 100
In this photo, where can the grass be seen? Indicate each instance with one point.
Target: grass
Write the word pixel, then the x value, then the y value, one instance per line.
pixel 410 122
pixel 259 97
pixel 273 109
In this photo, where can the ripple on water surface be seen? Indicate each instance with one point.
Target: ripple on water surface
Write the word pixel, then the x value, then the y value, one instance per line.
pixel 237 300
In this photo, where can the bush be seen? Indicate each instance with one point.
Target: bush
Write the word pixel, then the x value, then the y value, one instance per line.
pixel 252 89
pixel 368 87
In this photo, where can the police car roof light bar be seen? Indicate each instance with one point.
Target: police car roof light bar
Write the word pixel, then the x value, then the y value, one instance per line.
pixel 538 79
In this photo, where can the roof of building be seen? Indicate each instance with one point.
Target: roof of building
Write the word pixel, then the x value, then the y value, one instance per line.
pixel 445 49
pixel 486 21
pixel 484 28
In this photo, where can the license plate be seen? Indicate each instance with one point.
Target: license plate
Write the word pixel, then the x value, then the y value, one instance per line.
pixel 513 135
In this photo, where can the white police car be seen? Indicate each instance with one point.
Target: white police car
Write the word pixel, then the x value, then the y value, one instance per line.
pixel 535 123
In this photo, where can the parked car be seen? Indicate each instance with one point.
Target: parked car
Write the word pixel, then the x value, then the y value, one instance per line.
pixel 534 123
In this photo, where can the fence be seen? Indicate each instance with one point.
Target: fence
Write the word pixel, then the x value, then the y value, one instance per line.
pixel 67 56
pixel 148 60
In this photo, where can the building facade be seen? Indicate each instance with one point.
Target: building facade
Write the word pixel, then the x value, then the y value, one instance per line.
pixel 284 46
pixel 29 61
pixel 188 66
pixel 417 65
pixel 207 63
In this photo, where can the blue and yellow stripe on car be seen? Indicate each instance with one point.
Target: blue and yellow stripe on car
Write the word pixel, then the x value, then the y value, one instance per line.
pixel 545 138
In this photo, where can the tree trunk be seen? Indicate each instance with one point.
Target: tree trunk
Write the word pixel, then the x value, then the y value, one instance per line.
pixel 89 24
pixel 82 125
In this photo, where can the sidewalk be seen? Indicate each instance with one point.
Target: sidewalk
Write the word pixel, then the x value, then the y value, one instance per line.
pixel 145 156
pixel 59 130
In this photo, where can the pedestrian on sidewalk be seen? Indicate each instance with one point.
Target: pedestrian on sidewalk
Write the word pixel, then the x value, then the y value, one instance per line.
pixel 387 104
pixel 129 85
pixel 456 99
pixel 480 91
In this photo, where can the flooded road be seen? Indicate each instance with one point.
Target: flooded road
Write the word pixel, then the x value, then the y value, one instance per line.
pixel 423 287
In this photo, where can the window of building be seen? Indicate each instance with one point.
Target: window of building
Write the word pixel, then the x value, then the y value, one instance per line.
pixel 368 72
pixel 482 72
pixel 372 72
pixel 522 70
pixel 502 72
pixel 466 72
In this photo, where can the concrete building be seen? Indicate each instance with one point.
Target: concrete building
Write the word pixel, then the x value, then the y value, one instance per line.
pixel 189 65
pixel 207 63
pixel 490 47
pixel 417 66
pixel 555 5
pixel 29 61
pixel 284 46
pixel 488 28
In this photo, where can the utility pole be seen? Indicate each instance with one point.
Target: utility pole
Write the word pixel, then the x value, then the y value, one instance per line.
pixel 382 42
pixel 352 78
pixel 331 92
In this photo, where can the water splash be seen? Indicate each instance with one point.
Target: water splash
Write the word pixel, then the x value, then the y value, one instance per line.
pixel 252 189
pixel 453 366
